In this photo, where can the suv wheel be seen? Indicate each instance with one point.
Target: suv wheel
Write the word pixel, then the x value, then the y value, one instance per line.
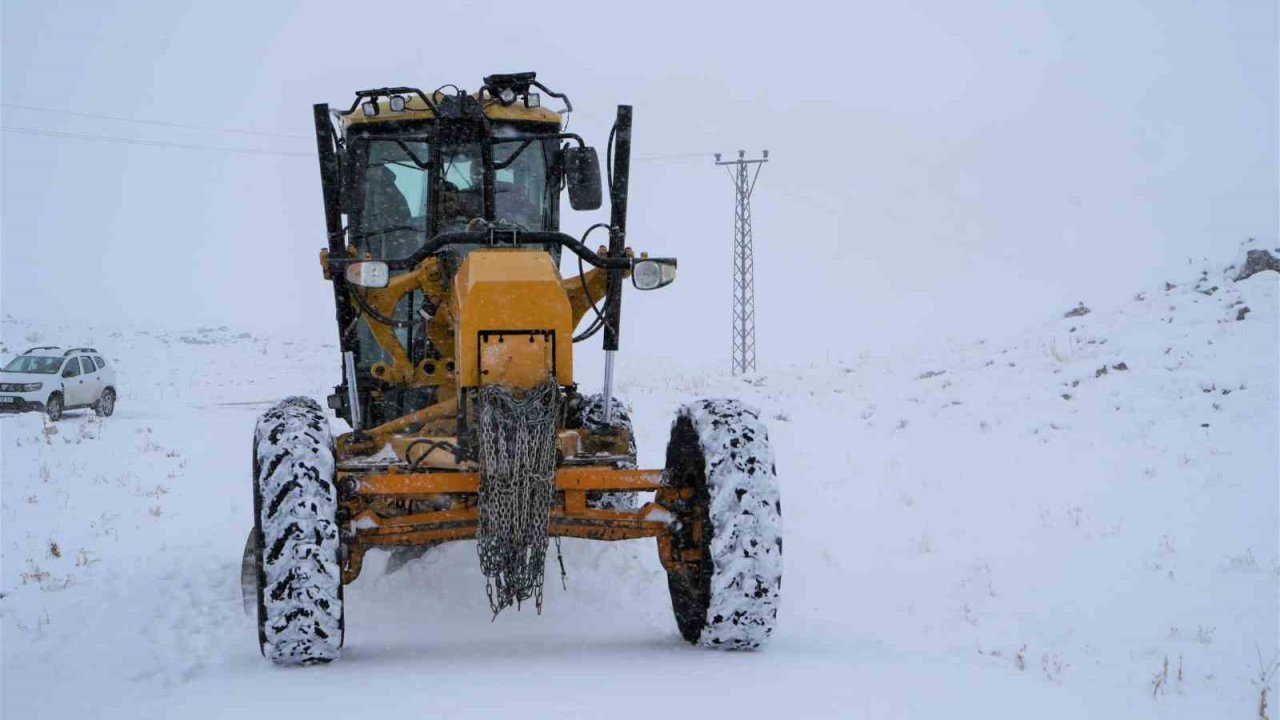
pixel 54 407
pixel 106 404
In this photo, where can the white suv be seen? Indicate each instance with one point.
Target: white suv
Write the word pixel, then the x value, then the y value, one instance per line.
pixel 51 379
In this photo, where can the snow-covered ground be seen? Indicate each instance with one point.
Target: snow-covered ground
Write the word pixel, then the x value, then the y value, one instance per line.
pixel 1079 521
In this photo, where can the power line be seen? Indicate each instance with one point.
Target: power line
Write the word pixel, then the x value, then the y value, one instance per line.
pixel 240 131
pixel 671 156
pixel 656 157
pixel 152 143
pixel 660 157
pixel 162 123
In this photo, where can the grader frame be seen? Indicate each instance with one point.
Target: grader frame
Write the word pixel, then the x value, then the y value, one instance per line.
pixel 454 512
pixel 414 480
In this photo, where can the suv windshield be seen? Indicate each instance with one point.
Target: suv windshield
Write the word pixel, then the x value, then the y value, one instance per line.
pixel 34 364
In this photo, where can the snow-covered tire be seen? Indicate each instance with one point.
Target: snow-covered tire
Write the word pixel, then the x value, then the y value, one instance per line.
pixel 299 588
pixel 728 599
pixel 590 415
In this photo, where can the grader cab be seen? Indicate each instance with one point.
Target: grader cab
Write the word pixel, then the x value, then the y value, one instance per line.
pixel 458 331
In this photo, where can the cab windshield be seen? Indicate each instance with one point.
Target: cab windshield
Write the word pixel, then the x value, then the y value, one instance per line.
pixel 520 186
pixel 34 364
pixel 399 213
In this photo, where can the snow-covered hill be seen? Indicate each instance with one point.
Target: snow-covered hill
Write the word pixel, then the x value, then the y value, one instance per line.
pixel 1080 521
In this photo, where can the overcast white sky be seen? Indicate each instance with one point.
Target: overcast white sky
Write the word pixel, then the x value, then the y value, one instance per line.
pixel 938 167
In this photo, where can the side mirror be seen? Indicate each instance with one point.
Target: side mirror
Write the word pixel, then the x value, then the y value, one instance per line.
pixel 67 374
pixel 582 175
pixel 370 274
pixel 653 273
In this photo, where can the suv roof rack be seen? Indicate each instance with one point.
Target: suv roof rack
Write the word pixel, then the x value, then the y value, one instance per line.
pixel 75 350
pixel 40 347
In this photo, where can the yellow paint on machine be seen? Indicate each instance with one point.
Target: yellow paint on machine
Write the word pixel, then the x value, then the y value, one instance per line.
pixel 513 320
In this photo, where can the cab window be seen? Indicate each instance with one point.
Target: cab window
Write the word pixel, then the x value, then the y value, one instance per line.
pixel 86 365
pixel 393 219
pixel 72 368
pixel 521 187
pixel 101 363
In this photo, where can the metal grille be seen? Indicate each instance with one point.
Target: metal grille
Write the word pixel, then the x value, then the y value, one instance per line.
pixel 517 486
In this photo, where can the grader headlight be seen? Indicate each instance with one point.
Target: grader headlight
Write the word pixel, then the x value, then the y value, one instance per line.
pixel 653 273
pixel 368 274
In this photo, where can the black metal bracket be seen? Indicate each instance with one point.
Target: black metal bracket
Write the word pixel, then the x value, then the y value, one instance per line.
pixel 620 174
pixel 495 237
pixel 375 93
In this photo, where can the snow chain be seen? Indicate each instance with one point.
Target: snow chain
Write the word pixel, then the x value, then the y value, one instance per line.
pixel 517 486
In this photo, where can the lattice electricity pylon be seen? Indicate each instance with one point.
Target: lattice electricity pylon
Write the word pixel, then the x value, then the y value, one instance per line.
pixel 744 268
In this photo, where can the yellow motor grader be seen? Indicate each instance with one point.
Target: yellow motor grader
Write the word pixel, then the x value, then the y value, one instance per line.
pixel 457 332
